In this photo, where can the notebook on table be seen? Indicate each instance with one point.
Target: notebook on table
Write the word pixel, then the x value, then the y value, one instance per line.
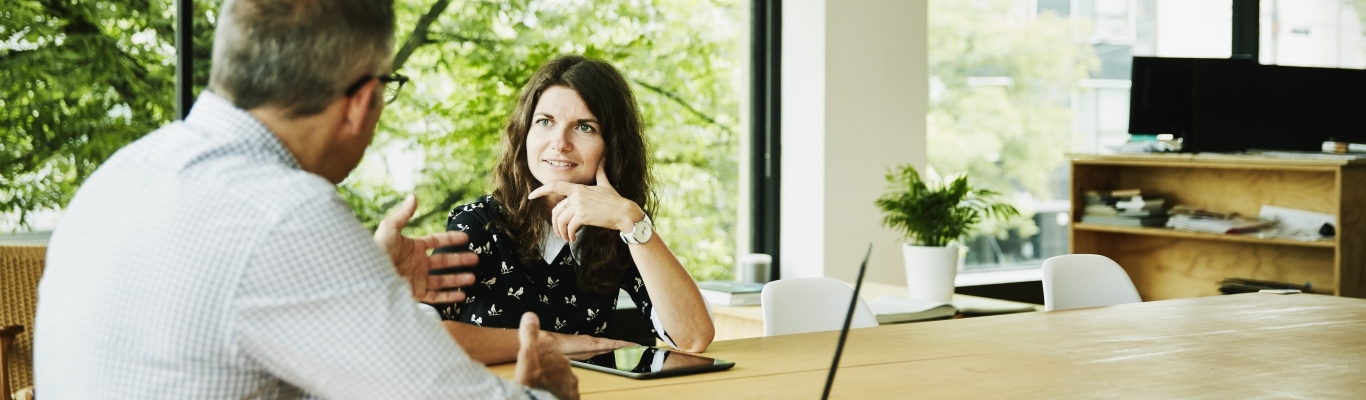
pixel 898 309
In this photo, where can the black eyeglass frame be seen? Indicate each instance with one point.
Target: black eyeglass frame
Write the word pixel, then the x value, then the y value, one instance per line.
pixel 390 92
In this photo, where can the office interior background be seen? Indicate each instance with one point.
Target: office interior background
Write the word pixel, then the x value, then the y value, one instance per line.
pixel 1011 87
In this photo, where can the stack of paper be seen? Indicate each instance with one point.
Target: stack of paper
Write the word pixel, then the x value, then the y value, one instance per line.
pixel 1217 225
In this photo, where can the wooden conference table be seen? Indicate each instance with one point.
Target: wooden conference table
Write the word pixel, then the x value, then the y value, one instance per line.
pixel 1237 346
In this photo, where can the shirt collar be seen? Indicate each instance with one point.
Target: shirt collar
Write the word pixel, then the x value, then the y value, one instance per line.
pixel 552 243
pixel 215 114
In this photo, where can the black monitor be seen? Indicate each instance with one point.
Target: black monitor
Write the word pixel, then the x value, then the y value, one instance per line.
pixel 1240 105
pixel 1162 96
pixel 1229 105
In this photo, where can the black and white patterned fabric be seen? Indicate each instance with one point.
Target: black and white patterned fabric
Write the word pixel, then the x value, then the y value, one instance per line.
pixel 505 288
pixel 200 262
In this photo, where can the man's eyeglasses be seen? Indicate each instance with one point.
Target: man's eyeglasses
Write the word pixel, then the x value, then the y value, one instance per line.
pixel 392 84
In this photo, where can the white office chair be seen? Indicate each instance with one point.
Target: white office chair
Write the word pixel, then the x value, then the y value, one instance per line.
pixel 1085 280
pixel 801 305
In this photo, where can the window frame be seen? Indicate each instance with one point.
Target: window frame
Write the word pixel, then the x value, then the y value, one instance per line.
pixel 1246 14
pixel 765 130
pixel 184 55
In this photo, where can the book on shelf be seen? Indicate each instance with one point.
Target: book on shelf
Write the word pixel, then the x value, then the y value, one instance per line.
pixel 731 293
pixel 1101 210
pixel 1127 207
pixel 1127 199
pixel 1149 221
pixel 1117 192
pixel 1140 203
pixel 1114 212
pixel 897 309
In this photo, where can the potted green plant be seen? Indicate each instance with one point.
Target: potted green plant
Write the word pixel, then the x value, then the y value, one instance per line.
pixel 934 217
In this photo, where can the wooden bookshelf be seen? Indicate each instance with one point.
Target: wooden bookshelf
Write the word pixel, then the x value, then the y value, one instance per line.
pixel 1167 264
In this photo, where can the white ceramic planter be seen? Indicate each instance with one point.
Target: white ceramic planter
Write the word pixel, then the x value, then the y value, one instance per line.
pixel 930 271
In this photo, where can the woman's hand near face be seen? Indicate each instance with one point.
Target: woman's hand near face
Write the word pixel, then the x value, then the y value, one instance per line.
pixel 598 205
pixel 676 300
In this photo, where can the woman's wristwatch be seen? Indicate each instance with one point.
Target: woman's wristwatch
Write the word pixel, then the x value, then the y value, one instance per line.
pixel 640 233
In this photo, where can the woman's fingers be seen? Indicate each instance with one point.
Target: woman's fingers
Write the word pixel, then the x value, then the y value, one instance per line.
pixel 557 214
pixel 608 344
pixel 560 188
pixel 580 343
pixel 573 227
pixel 565 216
pixel 555 217
pixel 602 174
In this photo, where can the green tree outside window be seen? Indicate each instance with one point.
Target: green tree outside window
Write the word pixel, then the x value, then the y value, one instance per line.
pixel 78 80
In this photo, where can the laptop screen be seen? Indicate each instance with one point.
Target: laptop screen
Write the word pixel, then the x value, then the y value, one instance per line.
pixel 848 318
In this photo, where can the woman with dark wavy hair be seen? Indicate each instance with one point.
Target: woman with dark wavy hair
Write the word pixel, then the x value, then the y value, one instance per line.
pixel 568 225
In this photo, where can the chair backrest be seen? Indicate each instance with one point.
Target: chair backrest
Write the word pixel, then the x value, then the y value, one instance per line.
pixel 800 305
pixel 21 267
pixel 1085 280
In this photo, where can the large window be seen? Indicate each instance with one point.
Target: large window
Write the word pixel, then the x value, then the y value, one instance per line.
pixel 1313 33
pixel 685 60
pixel 1017 84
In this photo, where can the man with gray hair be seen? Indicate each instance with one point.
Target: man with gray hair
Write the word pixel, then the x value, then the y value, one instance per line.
pixel 213 258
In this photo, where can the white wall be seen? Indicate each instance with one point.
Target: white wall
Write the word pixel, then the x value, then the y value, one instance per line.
pixel 854 97
pixel 802 221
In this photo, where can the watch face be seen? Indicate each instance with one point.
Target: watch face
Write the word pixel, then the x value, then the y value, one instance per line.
pixel 643 231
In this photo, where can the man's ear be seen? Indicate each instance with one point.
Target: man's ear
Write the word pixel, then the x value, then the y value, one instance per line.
pixel 358 107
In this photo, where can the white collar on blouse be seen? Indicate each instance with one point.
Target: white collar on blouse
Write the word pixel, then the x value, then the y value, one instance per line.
pixel 552 244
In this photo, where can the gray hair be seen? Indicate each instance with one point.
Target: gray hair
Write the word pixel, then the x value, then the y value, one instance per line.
pixel 299 55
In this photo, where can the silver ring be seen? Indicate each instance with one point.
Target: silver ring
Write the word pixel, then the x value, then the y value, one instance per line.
pixel 560 204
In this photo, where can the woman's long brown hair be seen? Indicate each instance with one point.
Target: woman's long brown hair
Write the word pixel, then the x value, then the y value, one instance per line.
pixel 603 257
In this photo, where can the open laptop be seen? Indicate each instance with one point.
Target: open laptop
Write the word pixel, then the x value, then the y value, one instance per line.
pixel 848 318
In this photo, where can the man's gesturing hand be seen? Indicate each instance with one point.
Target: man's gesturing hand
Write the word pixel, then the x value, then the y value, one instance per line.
pixel 540 365
pixel 412 262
